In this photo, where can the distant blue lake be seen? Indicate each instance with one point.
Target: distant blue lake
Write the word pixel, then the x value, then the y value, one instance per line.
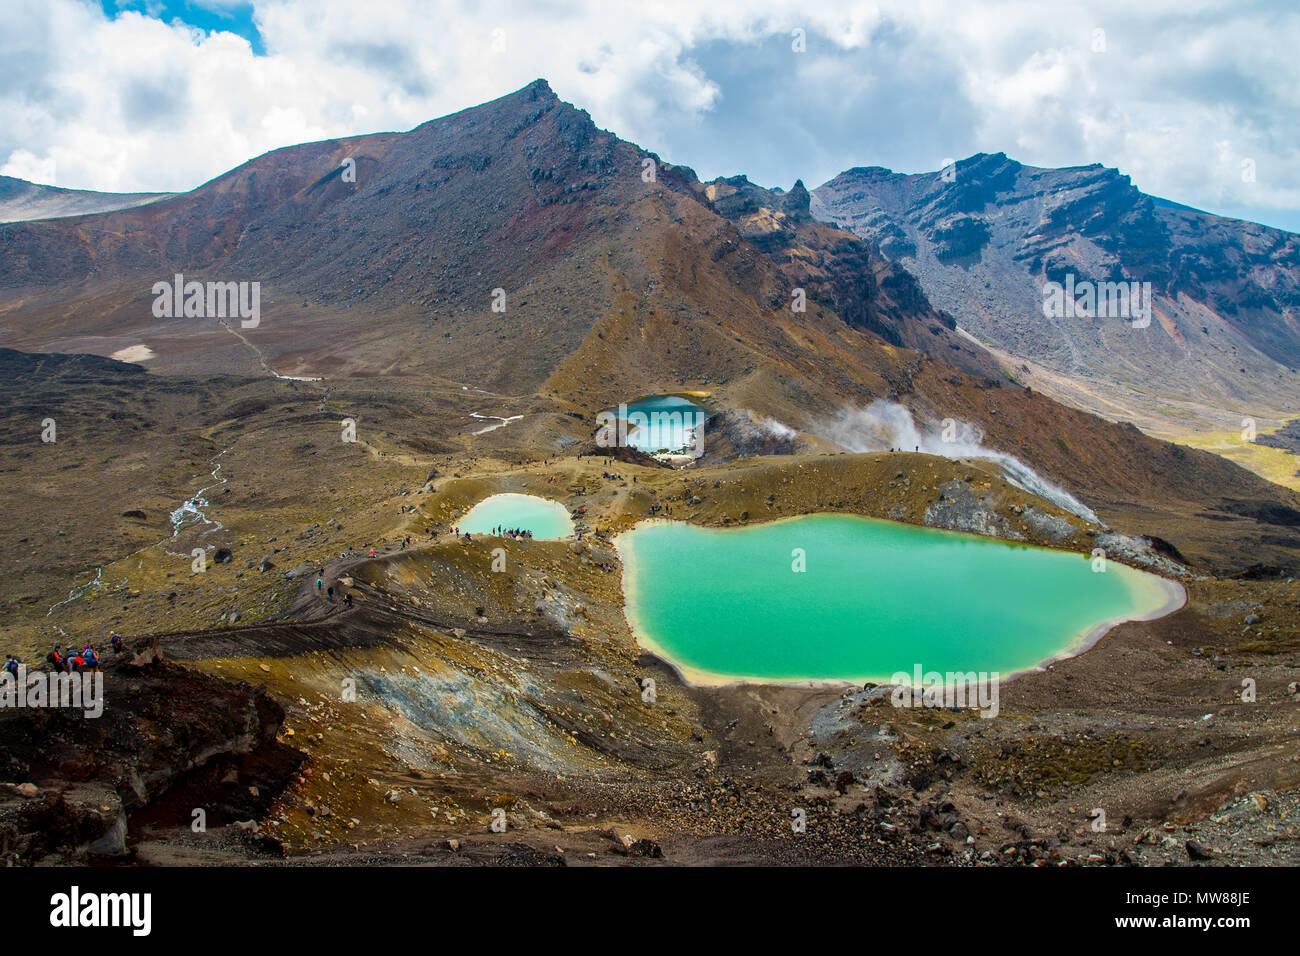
pixel 661 423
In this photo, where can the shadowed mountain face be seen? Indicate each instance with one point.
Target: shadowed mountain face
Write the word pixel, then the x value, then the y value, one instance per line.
pixel 835 268
pixel 21 200
pixel 987 235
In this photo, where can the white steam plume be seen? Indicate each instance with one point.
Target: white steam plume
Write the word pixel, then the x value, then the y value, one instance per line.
pixel 885 425
pixel 773 427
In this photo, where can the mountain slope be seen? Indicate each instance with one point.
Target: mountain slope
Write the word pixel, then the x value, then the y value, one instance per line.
pixel 1224 338
pixel 869 292
pixel 21 200
pixel 523 194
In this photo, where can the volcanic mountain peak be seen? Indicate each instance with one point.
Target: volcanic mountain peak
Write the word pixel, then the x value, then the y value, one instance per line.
pixel 521 201
pixel 987 235
pixel 424 224
pixel 795 203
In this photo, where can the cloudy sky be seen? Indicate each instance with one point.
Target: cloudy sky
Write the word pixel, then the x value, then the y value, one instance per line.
pixel 1199 102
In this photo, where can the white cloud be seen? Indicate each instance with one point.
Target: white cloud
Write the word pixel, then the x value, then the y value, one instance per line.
pixel 136 104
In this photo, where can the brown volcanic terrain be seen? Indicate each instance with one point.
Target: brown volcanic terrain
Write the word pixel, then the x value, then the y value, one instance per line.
pixel 520 691
pixel 524 194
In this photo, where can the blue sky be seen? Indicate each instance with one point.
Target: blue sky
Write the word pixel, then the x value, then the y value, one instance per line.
pixel 1197 100
pixel 233 17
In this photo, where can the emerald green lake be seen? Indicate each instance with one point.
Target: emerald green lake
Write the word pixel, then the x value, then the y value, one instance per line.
pixel 546 519
pixel 875 598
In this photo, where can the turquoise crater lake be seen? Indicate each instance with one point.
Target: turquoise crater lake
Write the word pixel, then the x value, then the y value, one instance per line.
pixel 876 598
pixel 546 519
pixel 656 424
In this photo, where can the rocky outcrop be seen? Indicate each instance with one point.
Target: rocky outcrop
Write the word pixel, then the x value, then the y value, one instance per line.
pixel 844 273
pixel 960 508
pixel 169 740
pixel 1140 551
pixel 742 434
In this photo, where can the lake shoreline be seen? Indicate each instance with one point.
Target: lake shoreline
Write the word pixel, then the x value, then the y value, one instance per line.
pixel 1173 597
pixel 554 509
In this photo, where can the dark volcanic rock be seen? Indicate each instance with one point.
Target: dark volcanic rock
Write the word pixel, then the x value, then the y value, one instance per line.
pixel 166 733
pixel 1287 438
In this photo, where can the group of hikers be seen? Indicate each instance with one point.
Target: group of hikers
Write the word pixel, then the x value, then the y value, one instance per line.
pixel 501 532
pixel 346 599
pixel 73 661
